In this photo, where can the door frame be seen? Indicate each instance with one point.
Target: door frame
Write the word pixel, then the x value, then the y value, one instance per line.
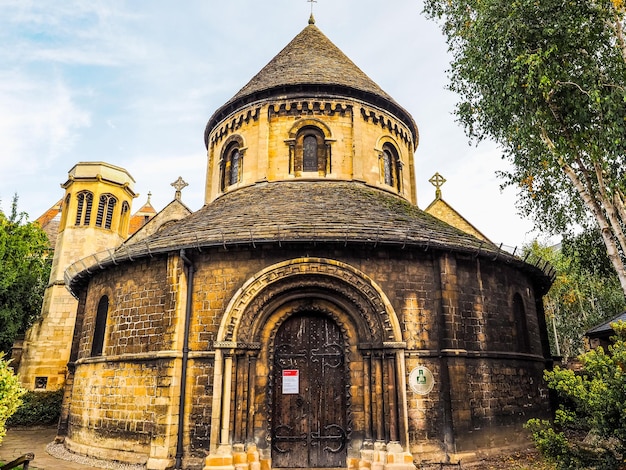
pixel 372 334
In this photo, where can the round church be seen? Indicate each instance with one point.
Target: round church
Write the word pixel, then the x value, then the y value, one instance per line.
pixel 310 315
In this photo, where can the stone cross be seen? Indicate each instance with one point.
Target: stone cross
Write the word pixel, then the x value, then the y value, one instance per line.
pixel 437 181
pixel 178 185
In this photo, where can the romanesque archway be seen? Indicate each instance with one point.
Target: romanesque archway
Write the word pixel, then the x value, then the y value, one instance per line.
pixel 323 294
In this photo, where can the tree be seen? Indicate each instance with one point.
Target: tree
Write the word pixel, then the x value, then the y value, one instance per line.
pixel 24 272
pixel 10 393
pixel 589 429
pixel 546 80
pixel 585 291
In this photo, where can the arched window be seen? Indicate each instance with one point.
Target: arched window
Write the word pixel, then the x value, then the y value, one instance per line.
pixel 100 326
pixel 521 327
pixel 232 165
pixel 65 208
pixel 83 211
pixel 391 167
pixel 105 210
pixel 125 216
pixel 311 153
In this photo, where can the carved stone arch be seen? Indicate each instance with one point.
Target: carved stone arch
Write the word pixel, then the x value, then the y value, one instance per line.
pixel 237 138
pixel 337 282
pixel 387 139
pixel 311 122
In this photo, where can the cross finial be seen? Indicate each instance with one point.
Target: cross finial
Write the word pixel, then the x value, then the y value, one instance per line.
pixel 178 185
pixel 311 18
pixel 437 181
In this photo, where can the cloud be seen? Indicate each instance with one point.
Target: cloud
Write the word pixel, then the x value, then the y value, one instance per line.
pixel 39 121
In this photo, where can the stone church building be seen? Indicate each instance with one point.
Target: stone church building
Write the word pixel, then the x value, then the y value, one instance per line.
pixel 310 314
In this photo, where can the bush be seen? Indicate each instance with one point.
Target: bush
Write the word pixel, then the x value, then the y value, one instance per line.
pixel 38 409
pixel 589 429
pixel 10 393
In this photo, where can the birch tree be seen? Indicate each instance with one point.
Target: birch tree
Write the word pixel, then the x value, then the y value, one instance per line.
pixel 546 80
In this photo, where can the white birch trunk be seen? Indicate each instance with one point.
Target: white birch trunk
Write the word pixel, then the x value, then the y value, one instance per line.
pixel 603 223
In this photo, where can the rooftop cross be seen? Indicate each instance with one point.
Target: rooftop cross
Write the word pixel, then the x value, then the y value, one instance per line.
pixel 437 181
pixel 311 19
pixel 178 185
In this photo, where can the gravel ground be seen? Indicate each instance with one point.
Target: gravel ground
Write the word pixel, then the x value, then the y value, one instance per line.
pixel 60 452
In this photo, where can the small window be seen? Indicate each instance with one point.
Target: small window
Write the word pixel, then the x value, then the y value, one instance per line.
pixel 100 326
pixel 311 154
pixel 232 166
pixel 65 208
pixel 83 211
pixel 124 216
pixel 521 327
pixel 391 167
pixel 105 210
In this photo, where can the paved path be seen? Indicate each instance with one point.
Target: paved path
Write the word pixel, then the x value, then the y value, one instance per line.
pixel 18 442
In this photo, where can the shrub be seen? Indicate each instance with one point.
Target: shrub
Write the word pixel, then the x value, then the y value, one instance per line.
pixel 589 429
pixel 10 393
pixel 38 409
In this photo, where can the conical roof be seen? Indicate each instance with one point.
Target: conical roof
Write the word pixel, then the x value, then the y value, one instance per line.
pixel 311 63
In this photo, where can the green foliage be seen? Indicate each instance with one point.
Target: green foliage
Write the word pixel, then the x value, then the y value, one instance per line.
pixel 585 292
pixel 546 80
pixel 38 409
pixel 24 272
pixel 589 429
pixel 10 393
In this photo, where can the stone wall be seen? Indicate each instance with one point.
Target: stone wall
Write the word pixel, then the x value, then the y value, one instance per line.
pixel 455 314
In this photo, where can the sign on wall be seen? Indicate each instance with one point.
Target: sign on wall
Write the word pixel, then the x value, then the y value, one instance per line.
pixel 291 382
pixel 421 380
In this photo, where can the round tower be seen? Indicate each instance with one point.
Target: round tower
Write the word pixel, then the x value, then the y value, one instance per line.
pixel 310 315
pixel 311 114
pixel 95 216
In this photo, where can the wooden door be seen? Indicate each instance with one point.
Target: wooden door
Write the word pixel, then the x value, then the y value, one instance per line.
pixel 309 394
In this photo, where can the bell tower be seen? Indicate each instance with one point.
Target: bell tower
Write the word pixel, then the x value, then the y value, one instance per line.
pixel 95 216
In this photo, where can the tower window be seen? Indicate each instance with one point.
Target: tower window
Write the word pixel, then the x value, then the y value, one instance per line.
pixel 65 208
pixel 105 210
pixel 83 211
pixel 125 215
pixel 309 155
pixel 232 165
pixel 100 326
pixel 391 167
pixel 311 152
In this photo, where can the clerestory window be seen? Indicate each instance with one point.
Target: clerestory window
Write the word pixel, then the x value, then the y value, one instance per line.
pixel 391 167
pixel 231 166
pixel 311 152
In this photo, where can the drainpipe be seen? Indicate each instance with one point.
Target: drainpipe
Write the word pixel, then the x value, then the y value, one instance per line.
pixel 183 376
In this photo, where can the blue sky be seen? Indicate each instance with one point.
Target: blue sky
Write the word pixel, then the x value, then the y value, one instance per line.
pixel 133 83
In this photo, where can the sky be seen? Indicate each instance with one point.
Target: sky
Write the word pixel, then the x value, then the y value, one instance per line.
pixel 133 83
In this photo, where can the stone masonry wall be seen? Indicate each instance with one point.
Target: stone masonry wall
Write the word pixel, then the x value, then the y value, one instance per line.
pixel 442 301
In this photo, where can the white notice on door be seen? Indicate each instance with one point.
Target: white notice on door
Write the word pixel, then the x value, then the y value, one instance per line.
pixel 291 382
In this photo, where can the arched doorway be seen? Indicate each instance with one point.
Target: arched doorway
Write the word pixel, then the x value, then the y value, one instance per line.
pixel 246 378
pixel 309 394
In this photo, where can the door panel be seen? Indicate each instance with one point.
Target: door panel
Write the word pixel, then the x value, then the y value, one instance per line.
pixel 309 397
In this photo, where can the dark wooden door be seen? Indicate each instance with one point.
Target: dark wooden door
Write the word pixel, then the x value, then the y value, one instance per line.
pixel 309 394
